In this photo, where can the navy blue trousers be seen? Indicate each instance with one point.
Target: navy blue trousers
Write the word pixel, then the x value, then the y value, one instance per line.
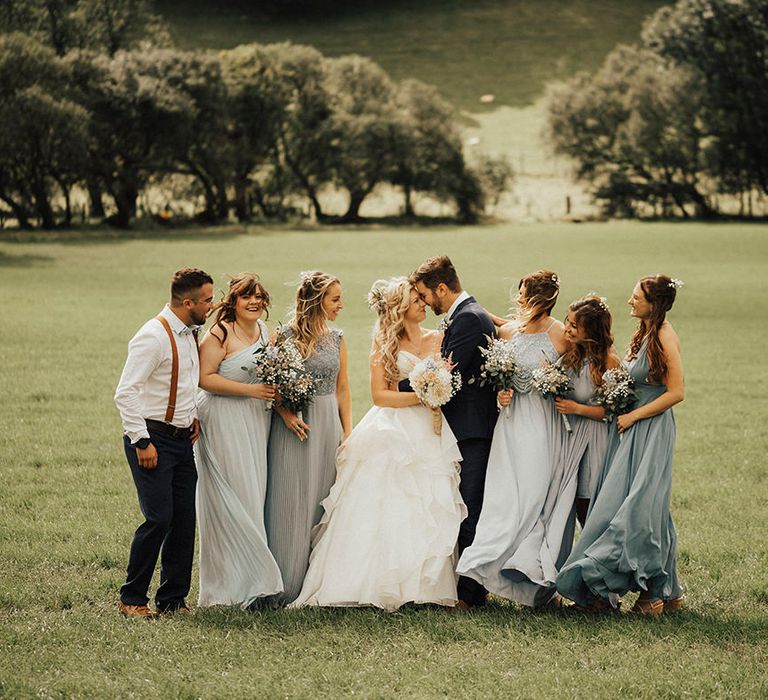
pixel 167 501
pixel 474 463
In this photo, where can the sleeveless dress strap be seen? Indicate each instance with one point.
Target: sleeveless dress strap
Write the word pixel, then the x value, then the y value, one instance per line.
pixel 549 327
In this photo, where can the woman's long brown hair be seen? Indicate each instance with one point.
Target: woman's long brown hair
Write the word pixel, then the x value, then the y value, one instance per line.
pixel 243 285
pixel 592 315
pixel 660 293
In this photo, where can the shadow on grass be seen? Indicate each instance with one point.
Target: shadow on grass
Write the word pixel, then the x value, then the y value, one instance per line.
pixel 24 260
pixel 443 626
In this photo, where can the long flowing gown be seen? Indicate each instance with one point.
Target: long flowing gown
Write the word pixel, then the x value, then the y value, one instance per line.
pixel 586 445
pixel 528 499
pixel 301 473
pixel 629 540
pixel 236 566
pixel 391 520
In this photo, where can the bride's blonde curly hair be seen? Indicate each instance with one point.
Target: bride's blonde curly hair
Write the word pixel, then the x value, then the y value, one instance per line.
pixel 307 320
pixel 390 300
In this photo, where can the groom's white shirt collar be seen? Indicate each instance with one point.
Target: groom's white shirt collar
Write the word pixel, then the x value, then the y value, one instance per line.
pixel 464 295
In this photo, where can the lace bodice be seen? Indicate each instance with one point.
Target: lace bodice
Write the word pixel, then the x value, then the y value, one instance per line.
pixel 530 351
pixel 406 361
pixel 323 364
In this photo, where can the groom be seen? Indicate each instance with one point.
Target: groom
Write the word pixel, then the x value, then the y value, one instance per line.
pixel 472 412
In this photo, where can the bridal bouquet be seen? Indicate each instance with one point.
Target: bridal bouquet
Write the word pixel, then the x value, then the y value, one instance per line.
pixel 617 393
pixel 281 364
pixel 434 382
pixel 552 382
pixel 500 365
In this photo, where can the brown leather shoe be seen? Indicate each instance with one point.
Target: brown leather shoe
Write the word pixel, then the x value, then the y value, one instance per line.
pixel 648 608
pixel 139 611
pixel 181 610
pixel 674 604
pixel 462 606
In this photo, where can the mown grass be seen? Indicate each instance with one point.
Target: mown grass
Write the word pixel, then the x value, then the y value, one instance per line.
pixel 68 507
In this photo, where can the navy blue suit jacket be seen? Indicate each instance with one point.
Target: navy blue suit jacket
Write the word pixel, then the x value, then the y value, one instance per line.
pixel 472 412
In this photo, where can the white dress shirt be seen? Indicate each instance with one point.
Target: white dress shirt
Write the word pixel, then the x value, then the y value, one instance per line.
pixel 464 295
pixel 146 379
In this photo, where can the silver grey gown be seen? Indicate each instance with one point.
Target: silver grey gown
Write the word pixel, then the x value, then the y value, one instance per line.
pixel 236 566
pixel 528 498
pixel 301 473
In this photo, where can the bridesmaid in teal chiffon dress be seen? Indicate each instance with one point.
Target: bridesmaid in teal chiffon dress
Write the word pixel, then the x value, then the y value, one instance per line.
pixel 629 542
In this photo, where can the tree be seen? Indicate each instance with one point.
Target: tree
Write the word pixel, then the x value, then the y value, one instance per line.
pixel 136 115
pixel 363 123
pixel 634 132
pixel 64 25
pixel 725 44
pixel 43 133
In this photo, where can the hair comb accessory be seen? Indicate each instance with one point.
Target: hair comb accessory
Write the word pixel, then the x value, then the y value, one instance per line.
pixel 556 280
pixel 676 283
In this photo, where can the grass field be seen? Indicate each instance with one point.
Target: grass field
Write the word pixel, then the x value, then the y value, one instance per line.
pixel 68 507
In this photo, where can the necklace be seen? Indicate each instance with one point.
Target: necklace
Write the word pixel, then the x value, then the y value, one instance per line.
pixel 249 341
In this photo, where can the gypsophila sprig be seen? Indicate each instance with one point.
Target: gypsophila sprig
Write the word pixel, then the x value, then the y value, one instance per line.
pixel 676 283
pixel 551 381
pixel 499 366
pixel 442 326
pixel 617 393
pixel 434 382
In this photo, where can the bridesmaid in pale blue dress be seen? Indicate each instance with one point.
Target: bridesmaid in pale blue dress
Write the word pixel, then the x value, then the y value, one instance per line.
pixel 589 355
pixel 526 509
pixel 236 566
pixel 629 541
pixel 302 448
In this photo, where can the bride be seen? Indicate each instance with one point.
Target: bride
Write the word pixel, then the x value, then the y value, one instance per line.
pixel 392 518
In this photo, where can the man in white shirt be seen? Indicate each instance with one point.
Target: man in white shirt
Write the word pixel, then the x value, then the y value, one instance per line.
pixel 156 397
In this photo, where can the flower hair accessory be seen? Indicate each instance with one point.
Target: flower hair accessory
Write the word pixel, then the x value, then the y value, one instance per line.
pixel 376 301
pixel 676 283
pixel 556 280
pixel 602 301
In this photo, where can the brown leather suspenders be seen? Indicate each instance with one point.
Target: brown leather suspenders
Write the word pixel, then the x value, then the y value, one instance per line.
pixel 174 370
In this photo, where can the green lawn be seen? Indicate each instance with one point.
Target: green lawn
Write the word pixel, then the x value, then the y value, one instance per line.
pixel 68 507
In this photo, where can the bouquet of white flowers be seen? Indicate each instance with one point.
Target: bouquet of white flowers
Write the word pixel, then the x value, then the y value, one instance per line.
pixel 281 364
pixel 434 382
pixel 500 365
pixel 617 393
pixel 552 382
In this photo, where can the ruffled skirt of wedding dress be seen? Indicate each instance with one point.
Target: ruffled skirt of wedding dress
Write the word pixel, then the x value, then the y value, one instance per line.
pixel 391 520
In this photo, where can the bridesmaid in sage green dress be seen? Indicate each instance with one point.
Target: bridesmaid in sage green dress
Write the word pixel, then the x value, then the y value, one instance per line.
pixel 589 355
pixel 302 448
pixel 629 541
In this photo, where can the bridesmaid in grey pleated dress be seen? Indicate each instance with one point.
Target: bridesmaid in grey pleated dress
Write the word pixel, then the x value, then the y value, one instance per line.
pixel 629 542
pixel 302 449
pixel 236 566
pixel 590 354
pixel 527 504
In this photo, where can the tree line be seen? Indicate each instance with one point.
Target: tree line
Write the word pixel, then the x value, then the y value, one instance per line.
pixel 676 126
pixel 94 97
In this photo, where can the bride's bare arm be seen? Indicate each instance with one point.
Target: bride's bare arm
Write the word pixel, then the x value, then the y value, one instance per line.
pixel 383 394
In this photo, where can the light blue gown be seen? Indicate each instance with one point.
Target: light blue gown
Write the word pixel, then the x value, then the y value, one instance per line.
pixel 301 473
pixel 629 541
pixel 528 498
pixel 236 566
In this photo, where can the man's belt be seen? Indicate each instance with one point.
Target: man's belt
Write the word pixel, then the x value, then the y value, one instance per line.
pixel 168 429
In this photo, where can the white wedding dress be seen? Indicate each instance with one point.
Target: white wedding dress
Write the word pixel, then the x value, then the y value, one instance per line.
pixel 391 520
